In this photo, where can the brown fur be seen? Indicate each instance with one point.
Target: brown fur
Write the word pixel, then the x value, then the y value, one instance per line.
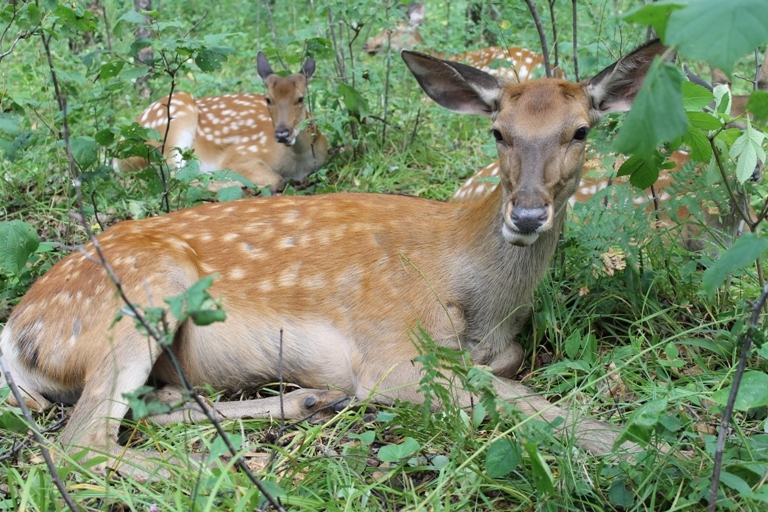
pixel 347 277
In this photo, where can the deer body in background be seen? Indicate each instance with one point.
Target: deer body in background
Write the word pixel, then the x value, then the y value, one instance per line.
pixel 328 291
pixel 257 136
pixel 406 35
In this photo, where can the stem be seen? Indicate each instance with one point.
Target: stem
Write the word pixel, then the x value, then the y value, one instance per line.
pixel 575 42
pixel 542 37
pixel 753 319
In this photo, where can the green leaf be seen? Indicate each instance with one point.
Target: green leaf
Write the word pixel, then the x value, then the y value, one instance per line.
pixel 619 495
pixel 12 422
pixel 573 344
pixel 704 121
pixel 643 422
pixel 110 69
pixel 657 113
pixel 758 105
pixel 747 150
pixel 753 392
pixel 85 150
pixel 397 452
pixel 701 151
pixel 229 194
pixel 367 438
pixel 218 447
pixel 545 482
pixel 211 59
pixel 642 173
pixel 731 28
pixel 655 15
pixel 695 97
pixel 502 458
pixel 105 137
pixel 9 124
pixel 18 241
pixel 353 100
pixel 743 252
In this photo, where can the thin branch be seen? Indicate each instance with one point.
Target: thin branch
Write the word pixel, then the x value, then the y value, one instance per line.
pixel 274 32
pixel 747 343
pixel 575 42
pixel 554 31
pixel 542 37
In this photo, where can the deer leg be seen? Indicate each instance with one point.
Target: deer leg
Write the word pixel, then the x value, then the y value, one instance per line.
pixel 594 436
pixel 251 167
pixel 95 420
pixel 296 405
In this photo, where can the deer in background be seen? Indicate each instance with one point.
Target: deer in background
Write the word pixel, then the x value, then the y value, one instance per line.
pixel 258 136
pixel 327 291
pixel 406 35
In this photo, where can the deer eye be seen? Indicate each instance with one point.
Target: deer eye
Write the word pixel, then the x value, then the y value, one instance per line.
pixel 269 101
pixel 301 100
pixel 581 133
pixel 497 135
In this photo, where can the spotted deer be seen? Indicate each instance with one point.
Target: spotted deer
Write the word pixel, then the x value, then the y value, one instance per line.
pixel 259 136
pixel 522 62
pixel 328 291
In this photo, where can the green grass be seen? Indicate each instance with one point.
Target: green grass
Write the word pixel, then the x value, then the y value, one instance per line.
pixel 613 346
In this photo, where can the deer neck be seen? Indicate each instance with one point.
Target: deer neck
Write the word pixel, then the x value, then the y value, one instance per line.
pixel 501 278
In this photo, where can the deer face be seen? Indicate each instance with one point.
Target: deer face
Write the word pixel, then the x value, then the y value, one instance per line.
pixel 285 99
pixel 540 134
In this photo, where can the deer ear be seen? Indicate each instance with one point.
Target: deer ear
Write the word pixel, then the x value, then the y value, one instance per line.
pixel 455 86
pixel 308 68
pixel 615 87
pixel 262 66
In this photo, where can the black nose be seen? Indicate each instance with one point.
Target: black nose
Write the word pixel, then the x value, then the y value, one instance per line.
pixel 282 134
pixel 528 220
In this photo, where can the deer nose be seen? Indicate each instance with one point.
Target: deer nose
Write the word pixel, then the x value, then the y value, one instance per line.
pixel 528 220
pixel 282 134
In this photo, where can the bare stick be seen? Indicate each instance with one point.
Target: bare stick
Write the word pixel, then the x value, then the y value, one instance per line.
pixel 747 343
pixel 575 42
pixel 554 31
pixel 274 33
pixel 542 37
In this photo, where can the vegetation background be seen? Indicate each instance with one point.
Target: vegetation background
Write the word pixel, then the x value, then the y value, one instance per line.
pixel 628 326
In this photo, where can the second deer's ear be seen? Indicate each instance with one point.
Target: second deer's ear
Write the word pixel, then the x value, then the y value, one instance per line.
pixel 308 68
pixel 455 86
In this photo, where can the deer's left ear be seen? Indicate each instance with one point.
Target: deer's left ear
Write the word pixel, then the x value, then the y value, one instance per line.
pixel 455 86
pixel 615 87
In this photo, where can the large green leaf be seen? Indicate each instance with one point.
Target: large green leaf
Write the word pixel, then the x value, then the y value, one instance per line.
pixel 18 240
pixel 758 105
pixel 397 452
pixel 655 14
pixel 85 150
pixel 732 28
pixel 753 392
pixel 743 252
pixel 657 113
pixel 696 97
pixel 643 422
pixel 502 458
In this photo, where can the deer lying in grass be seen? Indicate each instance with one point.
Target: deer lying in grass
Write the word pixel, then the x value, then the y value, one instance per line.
pixel 328 289
pixel 257 136
pixel 522 61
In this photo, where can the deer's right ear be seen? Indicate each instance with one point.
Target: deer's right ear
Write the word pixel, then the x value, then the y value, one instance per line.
pixel 262 66
pixel 455 86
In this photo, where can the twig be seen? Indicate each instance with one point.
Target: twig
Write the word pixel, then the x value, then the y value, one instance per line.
pixel 554 31
pixel 274 33
pixel 542 36
pixel 41 441
pixel 575 42
pixel 386 78
pixel 747 343
pixel 744 215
